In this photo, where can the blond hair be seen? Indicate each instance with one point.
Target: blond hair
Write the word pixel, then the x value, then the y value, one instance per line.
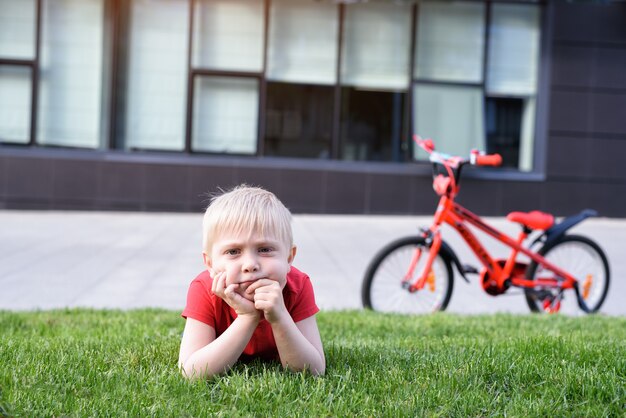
pixel 246 209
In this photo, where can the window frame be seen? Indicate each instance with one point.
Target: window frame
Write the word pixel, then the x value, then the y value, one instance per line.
pixel 33 66
pixel 116 24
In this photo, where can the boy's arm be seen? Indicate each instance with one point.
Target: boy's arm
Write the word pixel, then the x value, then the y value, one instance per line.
pixel 299 344
pixel 202 355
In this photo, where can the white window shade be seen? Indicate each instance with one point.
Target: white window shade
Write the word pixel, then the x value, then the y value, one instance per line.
pixel 157 74
pixel 452 116
pixel 513 50
pixel 228 35
pixel 225 117
pixel 376 42
pixel 302 42
pixel 527 135
pixel 15 102
pixel 70 77
pixel 17 29
pixel 450 41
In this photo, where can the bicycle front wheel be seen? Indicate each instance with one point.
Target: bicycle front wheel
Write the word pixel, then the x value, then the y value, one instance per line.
pixel 383 288
pixel 582 258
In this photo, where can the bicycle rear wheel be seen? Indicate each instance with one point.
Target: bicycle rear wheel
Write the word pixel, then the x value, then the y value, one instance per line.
pixel 582 258
pixel 383 288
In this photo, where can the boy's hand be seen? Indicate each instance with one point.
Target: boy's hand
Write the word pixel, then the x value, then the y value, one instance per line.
pixel 268 297
pixel 241 305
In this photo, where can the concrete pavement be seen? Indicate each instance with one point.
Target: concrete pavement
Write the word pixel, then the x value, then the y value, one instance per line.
pixel 131 260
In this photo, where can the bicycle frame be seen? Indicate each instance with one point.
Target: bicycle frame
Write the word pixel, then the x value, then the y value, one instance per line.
pixel 455 215
pixel 499 275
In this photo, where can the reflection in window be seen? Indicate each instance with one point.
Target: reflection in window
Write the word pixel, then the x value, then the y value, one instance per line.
pixel 157 74
pixel 15 97
pixel 303 41
pixel 451 115
pixel 228 35
pixel 299 120
pixel 70 77
pixel 17 29
pixel 371 128
pixel 225 117
pixel 376 45
pixel 450 39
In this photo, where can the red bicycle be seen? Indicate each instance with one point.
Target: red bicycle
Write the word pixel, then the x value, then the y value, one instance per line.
pixel 415 274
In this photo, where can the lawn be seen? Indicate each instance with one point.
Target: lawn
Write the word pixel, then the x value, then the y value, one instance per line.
pixel 123 363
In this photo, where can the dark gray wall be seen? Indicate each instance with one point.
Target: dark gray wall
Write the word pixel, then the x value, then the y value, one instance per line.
pixel 583 143
pixel 586 153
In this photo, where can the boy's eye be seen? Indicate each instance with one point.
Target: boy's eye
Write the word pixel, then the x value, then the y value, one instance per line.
pixel 265 250
pixel 232 251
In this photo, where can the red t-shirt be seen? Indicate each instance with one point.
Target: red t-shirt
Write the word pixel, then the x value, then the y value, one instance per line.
pixel 203 305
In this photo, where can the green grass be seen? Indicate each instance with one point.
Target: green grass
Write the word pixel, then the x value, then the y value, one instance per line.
pixel 113 363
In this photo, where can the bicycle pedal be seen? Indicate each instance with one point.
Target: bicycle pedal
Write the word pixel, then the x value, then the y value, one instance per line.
pixel 468 269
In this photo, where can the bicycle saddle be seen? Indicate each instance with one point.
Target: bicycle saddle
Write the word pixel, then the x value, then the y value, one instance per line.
pixel 532 220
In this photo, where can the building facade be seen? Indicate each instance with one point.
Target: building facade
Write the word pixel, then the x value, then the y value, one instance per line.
pixel 150 104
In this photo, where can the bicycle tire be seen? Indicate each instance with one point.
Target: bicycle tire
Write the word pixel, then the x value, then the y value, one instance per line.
pixel 579 256
pixel 386 271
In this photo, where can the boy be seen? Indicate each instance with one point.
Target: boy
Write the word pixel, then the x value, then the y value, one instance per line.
pixel 249 302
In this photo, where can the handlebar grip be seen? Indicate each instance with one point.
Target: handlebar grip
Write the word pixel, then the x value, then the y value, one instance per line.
pixel 493 160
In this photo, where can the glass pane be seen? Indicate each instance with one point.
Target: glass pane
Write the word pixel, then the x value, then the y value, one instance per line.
pixel 303 41
pixel 228 35
pixel 15 95
pixel 377 38
pixel 157 74
pixel 17 29
pixel 70 77
pixel 299 120
pixel 513 49
pixel 371 126
pixel 450 40
pixel 509 126
pixel 225 117
pixel 452 116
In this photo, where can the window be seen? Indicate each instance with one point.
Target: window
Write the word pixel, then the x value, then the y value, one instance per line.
pixel 301 69
pixel 70 74
pixel 17 49
pixel 375 75
pixel 462 103
pixel 376 45
pixel 225 115
pixel 17 29
pixel 349 80
pixel 157 75
pixel 299 120
pixel 15 103
pixel 371 128
pixel 512 82
pixel 303 42
pixel 228 35
pixel 450 42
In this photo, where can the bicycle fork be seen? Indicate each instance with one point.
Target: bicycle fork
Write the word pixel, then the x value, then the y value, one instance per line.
pixel 433 241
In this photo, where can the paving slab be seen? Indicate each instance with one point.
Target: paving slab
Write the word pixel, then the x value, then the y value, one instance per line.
pixel 52 259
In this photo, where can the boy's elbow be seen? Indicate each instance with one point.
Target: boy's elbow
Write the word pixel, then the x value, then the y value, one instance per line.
pixel 190 372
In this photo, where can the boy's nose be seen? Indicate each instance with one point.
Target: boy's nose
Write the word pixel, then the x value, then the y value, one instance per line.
pixel 250 265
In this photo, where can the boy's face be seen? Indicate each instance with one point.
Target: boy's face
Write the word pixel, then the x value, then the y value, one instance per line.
pixel 247 258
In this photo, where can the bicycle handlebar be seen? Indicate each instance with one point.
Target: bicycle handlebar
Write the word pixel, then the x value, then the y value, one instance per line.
pixel 476 158
pixel 493 160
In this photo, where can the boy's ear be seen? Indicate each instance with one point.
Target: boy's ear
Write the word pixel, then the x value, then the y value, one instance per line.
pixel 207 260
pixel 292 254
